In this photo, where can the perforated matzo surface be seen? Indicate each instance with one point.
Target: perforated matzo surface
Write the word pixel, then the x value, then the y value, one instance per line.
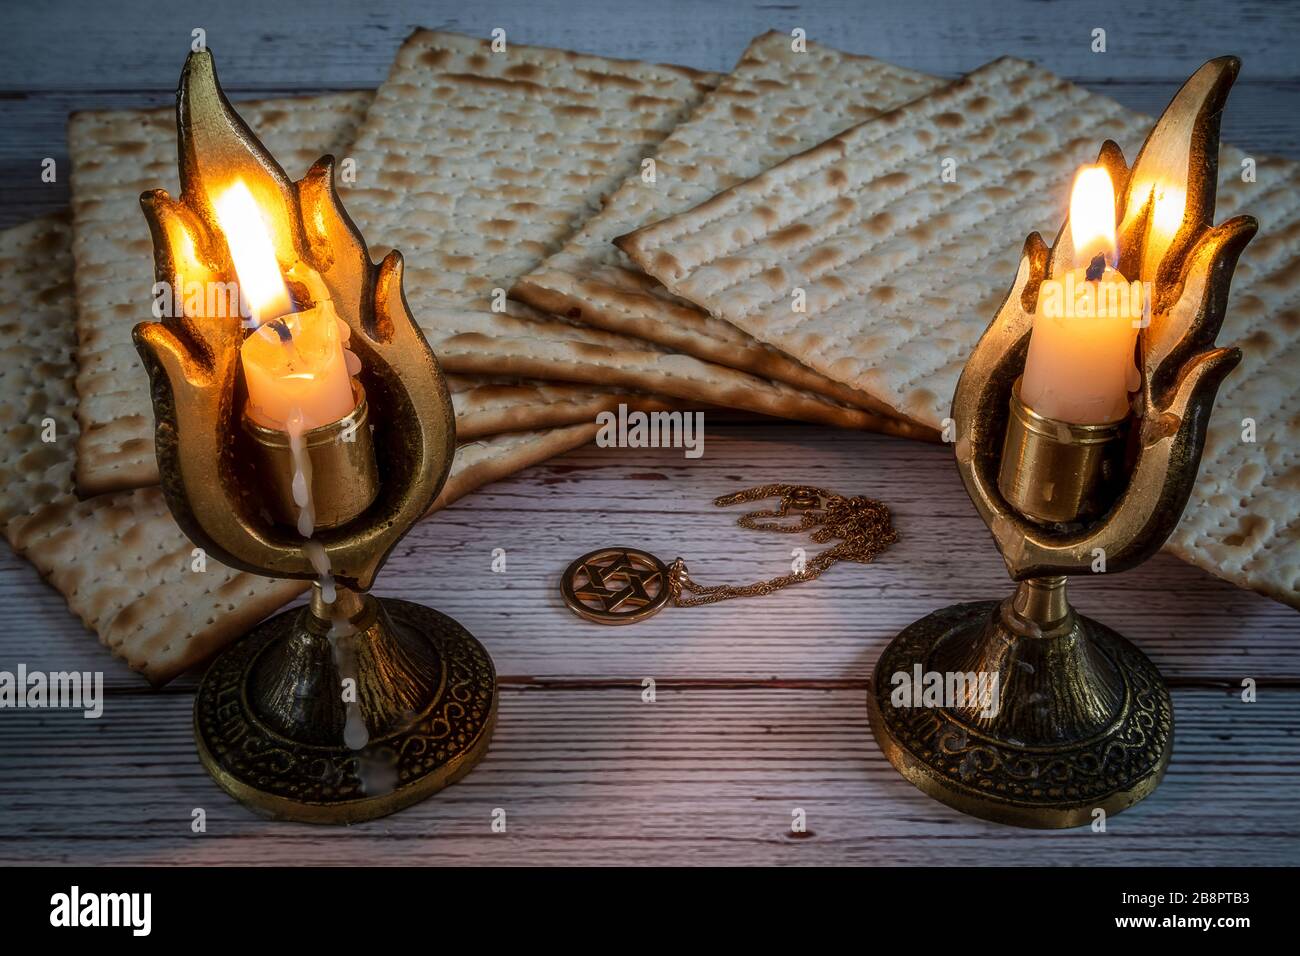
pixel 903 272
pixel 119 559
pixel 775 103
pixel 477 165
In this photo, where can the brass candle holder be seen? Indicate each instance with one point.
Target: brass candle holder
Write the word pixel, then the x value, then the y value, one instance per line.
pixel 349 708
pixel 1083 721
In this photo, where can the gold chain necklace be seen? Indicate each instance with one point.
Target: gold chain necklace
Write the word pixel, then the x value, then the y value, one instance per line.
pixel 625 585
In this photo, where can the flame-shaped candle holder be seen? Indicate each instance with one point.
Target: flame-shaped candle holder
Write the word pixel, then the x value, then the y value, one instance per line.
pixel 345 709
pixel 1081 720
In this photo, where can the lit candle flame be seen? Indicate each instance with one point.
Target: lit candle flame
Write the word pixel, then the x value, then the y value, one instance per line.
pixel 1092 216
pixel 260 282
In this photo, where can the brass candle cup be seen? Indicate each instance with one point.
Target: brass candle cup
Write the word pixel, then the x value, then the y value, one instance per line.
pixel 1046 718
pixel 1059 472
pixel 341 459
pixel 345 709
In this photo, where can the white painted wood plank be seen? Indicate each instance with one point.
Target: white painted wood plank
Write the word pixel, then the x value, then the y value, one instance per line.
pixel 1193 625
pixel 352 46
pixel 139 45
pixel 700 776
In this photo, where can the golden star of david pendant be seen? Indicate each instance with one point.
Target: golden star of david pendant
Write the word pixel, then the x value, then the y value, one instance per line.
pixel 616 586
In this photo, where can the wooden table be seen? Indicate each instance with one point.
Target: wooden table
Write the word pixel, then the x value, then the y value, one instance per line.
pixel 759 704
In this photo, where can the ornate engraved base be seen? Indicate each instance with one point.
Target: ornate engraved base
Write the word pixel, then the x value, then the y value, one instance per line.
pixel 281 731
pixel 1080 719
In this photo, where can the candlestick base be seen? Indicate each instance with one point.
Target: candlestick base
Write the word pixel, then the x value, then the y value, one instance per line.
pixel 1081 719
pixel 281 731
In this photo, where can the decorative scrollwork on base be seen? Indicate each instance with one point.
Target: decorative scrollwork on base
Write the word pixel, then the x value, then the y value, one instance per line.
pixel 988 772
pixel 278 776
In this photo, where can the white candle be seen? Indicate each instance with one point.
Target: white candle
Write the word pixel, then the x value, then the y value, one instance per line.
pixel 1080 365
pixel 295 363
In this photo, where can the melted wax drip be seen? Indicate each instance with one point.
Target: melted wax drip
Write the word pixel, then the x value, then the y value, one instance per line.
pixel 355 734
pixel 324 576
pixel 301 475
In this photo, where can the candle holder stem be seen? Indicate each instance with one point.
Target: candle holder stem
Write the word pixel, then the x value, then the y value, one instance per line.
pixel 343 711
pixel 1042 602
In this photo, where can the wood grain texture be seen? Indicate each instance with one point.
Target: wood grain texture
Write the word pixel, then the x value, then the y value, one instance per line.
pixel 352 47
pixel 700 776
pixel 1194 626
pixel 760 703
pixel 354 43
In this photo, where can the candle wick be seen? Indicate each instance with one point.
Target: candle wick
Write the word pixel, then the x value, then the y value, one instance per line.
pixel 281 329
pixel 1096 268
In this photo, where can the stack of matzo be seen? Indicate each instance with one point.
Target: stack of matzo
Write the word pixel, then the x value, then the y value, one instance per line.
pixel 774 104
pixel 488 161
pixel 477 165
pixel 118 558
pixel 516 171
pixel 903 270
pixel 119 154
